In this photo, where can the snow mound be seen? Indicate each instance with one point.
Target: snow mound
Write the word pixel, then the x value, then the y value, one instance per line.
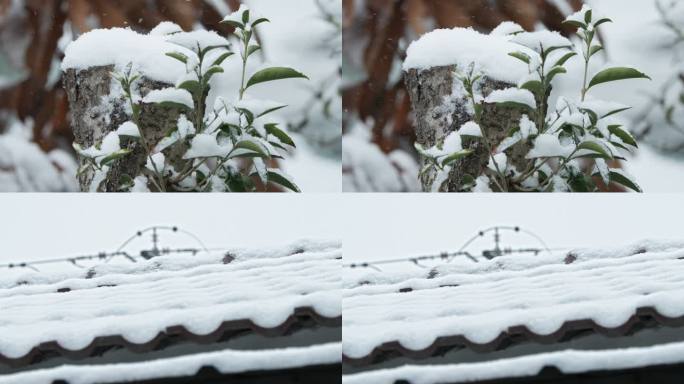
pixel 463 47
pixel 121 47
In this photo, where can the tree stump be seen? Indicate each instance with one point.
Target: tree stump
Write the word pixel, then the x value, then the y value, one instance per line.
pixel 438 112
pixel 98 106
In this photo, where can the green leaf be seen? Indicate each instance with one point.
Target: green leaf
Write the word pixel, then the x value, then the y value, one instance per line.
pixel 565 58
pixel 252 49
pixel 620 178
pixel 126 182
pixel 513 104
pixel 173 105
pixel 554 72
pixel 593 117
pixel 279 178
pixel 456 156
pixel 192 86
pixel 253 146
pixel 178 56
pixel 468 181
pixel 245 17
pixel 421 150
pixel 284 138
pixel 278 145
pixel 259 21
pixel 534 86
pixel 548 51
pixel 266 112
pixel 595 147
pixel 623 135
pixel 613 112
pixel 213 47
pixel 587 16
pixel 272 74
pixel 601 21
pixel 520 56
pixel 248 115
pixel 595 49
pixel 211 72
pixel 114 156
pixel 233 23
pixel 581 183
pixel 222 58
pixel 669 114
pixel 575 23
pixel 615 74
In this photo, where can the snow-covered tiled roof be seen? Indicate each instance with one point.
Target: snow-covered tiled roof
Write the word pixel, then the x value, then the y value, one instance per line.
pixel 485 306
pixel 568 362
pixel 226 362
pixel 138 305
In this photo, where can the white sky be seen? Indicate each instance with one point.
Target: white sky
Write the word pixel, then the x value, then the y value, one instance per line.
pixel 372 227
pixel 393 226
pixel 51 225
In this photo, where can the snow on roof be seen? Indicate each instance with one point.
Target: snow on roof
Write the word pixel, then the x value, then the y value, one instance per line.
pixel 481 304
pixel 226 362
pixel 568 362
pixel 465 46
pixel 197 294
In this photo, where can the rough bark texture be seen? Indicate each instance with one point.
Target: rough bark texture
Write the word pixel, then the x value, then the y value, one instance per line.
pixel 435 117
pixel 98 106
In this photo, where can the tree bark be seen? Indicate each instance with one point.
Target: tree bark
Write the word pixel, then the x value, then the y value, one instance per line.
pixel 98 106
pixel 438 112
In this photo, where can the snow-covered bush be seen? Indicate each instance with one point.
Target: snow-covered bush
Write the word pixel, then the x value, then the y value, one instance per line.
pixel 225 146
pixel 663 117
pixel 571 144
pixel 320 119
pixel 366 168
pixel 24 167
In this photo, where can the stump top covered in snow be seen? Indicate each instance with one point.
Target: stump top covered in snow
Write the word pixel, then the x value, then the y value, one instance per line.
pixel 146 52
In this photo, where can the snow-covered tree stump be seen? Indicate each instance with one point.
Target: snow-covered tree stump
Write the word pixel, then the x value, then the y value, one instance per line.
pixel 438 112
pixel 98 106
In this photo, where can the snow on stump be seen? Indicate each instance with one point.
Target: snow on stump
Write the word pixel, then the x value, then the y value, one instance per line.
pixel 439 100
pixel 99 106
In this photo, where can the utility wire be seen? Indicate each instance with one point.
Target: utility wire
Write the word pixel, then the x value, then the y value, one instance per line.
pixel 448 256
pixel 107 256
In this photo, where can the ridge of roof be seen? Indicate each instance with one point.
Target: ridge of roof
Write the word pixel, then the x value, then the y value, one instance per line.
pixel 25 277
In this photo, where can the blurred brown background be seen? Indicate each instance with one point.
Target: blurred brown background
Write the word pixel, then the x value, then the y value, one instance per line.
pixel 30 38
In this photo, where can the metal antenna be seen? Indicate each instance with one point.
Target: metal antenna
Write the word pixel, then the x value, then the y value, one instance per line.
pixel 498 250
pixel 488 254
pixel 155 251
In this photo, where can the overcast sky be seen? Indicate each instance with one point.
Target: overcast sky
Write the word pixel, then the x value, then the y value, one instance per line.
pixel 48 226
pixel 393 226
pixel 372 227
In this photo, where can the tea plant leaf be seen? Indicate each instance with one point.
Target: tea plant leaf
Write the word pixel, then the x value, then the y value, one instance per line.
pixel 621 178
pixel 280 134
pixel 272 74
pixel 277 177
pixel 623 135
pixel 615 74
pixel 456 156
